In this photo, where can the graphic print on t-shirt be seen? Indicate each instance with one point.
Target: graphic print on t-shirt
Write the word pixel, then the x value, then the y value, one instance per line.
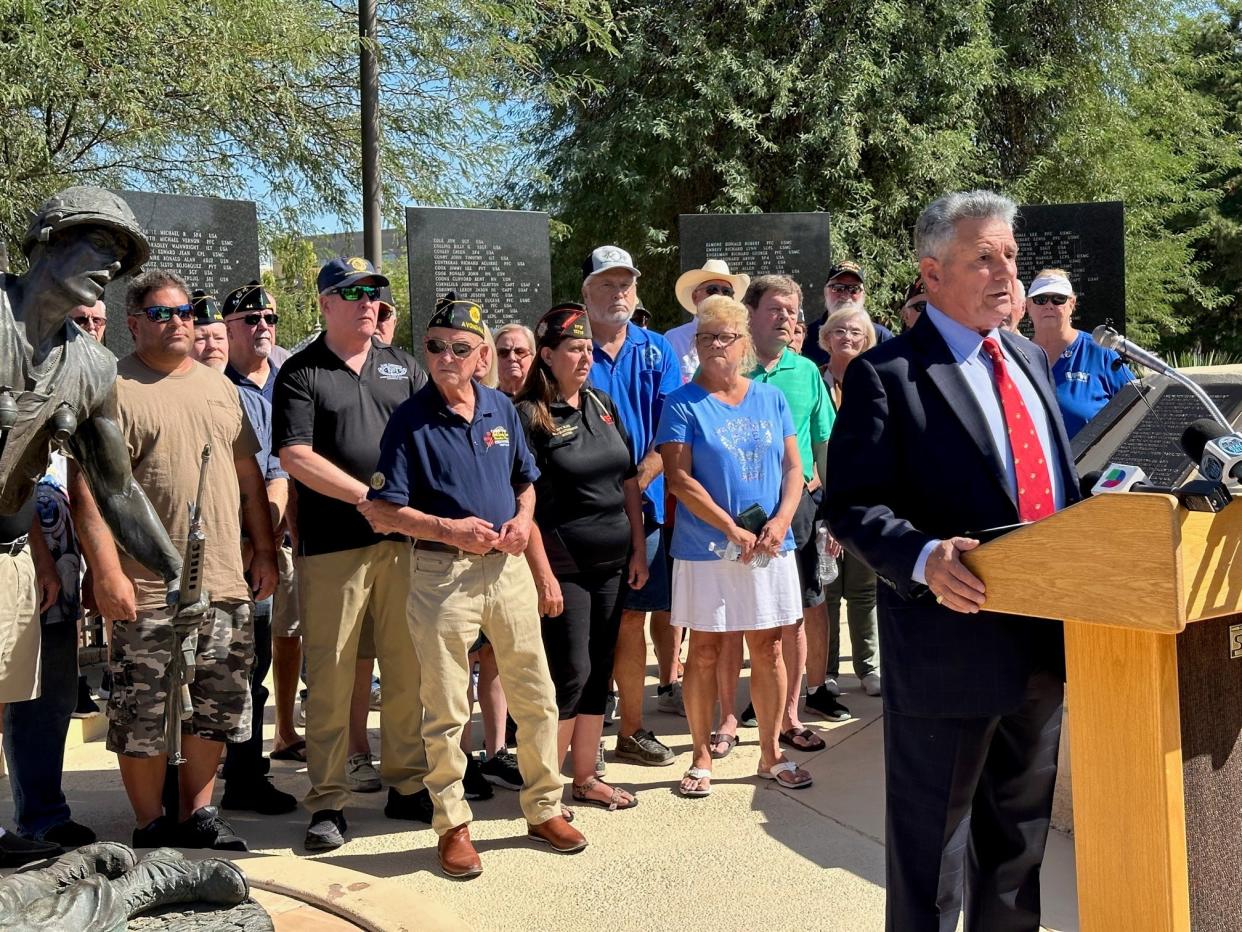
pixel 749 441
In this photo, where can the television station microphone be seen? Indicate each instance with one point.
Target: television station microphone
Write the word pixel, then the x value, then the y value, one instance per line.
pixel 1216 450
pixel 1109 338
pixel 1200 495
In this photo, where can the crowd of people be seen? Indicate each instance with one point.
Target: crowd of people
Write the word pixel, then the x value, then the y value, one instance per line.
pixel 506 515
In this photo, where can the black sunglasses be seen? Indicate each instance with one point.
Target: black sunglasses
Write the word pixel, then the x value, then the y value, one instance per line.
pixel 357 292
pixel 718 289
pixel 1057 299
pixel 252 320
pixel 159 314
pixel 520 352
pixel 385 314
pixel 460 348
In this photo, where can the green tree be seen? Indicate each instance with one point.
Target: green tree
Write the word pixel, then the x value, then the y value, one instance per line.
pixel 291 282
pixel 869 110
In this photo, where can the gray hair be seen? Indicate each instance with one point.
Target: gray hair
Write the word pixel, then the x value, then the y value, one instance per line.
pixel 937 224
pixel 519 328
pixel 151 280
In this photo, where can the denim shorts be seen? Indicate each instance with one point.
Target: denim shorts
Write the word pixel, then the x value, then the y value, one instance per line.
pixel 656 595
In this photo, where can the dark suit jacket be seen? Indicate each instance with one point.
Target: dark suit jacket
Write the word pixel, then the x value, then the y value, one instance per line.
pixel 911 458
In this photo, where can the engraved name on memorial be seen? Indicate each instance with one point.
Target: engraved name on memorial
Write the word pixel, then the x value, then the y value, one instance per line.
pixel 498 258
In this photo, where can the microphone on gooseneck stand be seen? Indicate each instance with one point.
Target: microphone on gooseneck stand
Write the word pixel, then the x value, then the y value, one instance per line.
pixel 1216 450
pixel 1109 338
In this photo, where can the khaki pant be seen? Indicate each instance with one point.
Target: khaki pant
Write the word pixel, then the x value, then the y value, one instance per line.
pixel 336 590
pixel 19 628
pixel 451 599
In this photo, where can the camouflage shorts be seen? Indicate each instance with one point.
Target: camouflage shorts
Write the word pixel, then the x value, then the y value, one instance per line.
pixel 219 694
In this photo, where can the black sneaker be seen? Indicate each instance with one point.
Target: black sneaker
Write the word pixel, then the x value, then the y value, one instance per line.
pixel 501 769
pixel 69 834
pixel 205 829
pixel 326 831
pixel 474 783
pixel 412 807
pixel 159 834
pixel 747 718
pixel 86 704
pixel 826 704
pixel 16 851
pixel 257 796
pixel 105 686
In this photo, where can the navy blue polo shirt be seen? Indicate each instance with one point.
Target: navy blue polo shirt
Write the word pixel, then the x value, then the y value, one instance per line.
pixel 436 462
pixel 267 389
pixel 644 373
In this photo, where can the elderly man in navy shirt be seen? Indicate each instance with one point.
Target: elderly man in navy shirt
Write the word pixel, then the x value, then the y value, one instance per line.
pixel 455 474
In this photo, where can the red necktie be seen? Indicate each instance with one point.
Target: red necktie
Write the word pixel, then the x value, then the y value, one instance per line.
pixel 1034 481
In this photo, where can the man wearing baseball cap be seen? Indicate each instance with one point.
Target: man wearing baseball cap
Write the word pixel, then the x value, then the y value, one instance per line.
pixel 455 473
pixel 845 287
pixel 693 287
pixel 333 401
pixel 638 370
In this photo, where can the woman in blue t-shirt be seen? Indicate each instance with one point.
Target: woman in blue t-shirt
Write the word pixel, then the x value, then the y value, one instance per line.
pixel 730 449
pixel 1086 374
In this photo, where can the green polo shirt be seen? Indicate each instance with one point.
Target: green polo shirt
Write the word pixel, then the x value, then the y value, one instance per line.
pixel 799 379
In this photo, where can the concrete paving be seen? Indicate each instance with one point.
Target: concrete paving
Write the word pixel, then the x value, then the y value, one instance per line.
pixel 750 856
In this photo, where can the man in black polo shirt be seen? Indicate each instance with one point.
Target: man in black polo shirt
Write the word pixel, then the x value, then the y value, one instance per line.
pixel 456 474
pixel 333 401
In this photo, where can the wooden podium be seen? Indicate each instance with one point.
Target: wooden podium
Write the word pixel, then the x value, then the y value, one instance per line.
pixel 1149 593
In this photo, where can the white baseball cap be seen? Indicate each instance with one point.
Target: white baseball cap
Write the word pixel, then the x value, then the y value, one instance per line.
pixel 1051 284
pixel 603 258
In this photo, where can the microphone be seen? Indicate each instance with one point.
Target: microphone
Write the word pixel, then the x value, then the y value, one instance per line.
pixel 1200 495
pixel 1109 338
pixel 1217 450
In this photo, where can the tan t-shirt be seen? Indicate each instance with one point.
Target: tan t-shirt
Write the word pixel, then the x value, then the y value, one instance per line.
pixel 166 420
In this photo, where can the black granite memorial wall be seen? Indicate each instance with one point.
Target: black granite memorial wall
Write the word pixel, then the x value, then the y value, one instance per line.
pixel 497 258
pixel 211 242
pixel 793 244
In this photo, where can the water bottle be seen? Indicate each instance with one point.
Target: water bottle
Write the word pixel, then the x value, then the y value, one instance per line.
pixel 729 552
pixel 826 568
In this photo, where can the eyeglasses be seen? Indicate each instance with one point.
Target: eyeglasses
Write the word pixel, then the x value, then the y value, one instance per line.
pixel 1057 299
pixel 357 292
pixel 718 289
pixel 517 352
pixel 89 322
pixel 253 320
pixel 716 339
pixel 385 314
pixel 159 314
pixel 846 289
pixel 849 332
pixel 460 348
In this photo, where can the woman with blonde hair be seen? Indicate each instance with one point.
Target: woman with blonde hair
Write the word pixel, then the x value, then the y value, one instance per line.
pixel 730 455
pixel 1086 374
pixel 515 351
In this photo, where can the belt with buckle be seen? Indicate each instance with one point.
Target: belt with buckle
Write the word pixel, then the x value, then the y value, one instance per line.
pixel 436 546
pixel 14 547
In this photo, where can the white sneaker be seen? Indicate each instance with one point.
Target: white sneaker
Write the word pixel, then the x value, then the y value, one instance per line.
pixel 361 774
pixel 376 699
pixel 299 717
pixel 833 687
pixel 871 684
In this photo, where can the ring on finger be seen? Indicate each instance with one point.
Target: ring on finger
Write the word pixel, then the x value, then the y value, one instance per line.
pixel 939 600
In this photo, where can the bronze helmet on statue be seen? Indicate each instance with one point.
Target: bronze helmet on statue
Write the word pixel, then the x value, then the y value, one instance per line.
pixel 86 205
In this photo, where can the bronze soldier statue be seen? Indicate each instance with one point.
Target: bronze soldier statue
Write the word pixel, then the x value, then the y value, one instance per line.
pixel 57 384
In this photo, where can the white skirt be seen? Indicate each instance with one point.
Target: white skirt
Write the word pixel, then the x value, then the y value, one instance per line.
pixel 726 595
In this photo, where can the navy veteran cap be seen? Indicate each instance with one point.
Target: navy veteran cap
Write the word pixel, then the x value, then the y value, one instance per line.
pixel 846 268
pixel 206 310
pixel 457 315
pixel 566 321
pixel 248 298
pixel 345 271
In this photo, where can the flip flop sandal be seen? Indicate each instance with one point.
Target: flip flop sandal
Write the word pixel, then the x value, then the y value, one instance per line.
pixel 811 741
pixel 697 773
pixel 721 738
pixel 791 782
pixel 295 751
pixel 616 802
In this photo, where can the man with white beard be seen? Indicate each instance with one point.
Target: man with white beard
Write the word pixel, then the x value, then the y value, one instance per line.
pixel 845 287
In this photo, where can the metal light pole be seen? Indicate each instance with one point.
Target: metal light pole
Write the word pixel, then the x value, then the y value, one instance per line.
pixel 372 221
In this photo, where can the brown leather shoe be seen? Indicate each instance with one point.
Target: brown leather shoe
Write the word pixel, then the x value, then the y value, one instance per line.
pixel 558 833
pixel 457 855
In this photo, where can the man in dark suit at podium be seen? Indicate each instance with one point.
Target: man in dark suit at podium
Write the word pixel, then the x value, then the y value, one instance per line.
pixel 948 430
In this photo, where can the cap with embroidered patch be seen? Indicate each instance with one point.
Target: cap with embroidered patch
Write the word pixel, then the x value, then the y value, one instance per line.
pixel 345 271
pixel 248 298
pixel 568 321
pixel 845 268
pixel 206 310
pixel 603 258
pixel 456 314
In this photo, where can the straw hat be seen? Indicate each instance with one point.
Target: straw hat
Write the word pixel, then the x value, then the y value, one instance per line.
pixel 713 270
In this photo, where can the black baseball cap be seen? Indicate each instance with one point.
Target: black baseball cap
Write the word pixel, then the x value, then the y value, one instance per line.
pixel 565 321
pixel 456 314
pixel 248 298
pixel 206 310
pixel 344 271
pixel 845 268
